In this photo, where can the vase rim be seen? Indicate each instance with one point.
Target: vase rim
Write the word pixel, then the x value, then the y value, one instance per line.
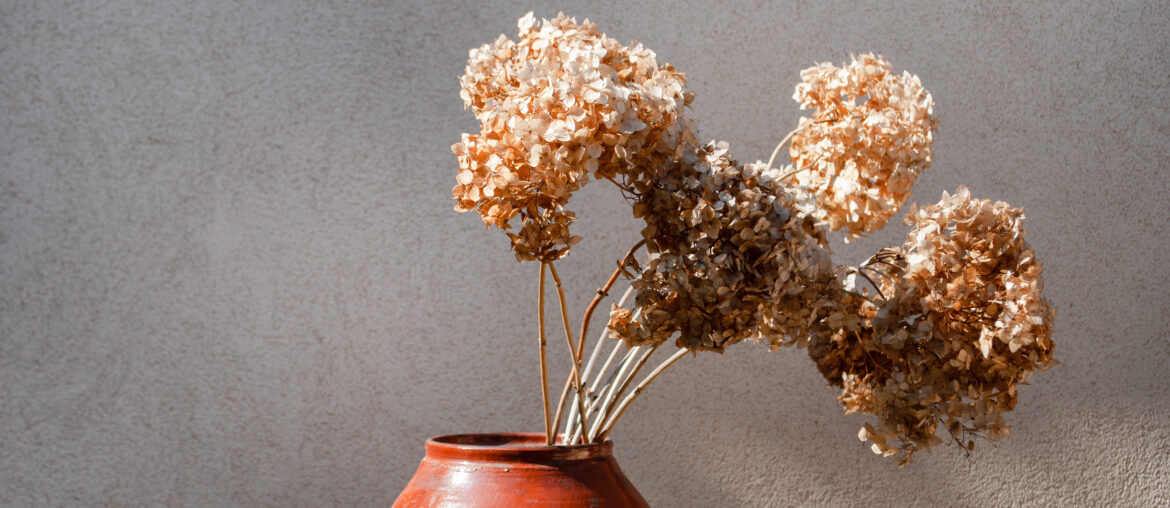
pixel 522 447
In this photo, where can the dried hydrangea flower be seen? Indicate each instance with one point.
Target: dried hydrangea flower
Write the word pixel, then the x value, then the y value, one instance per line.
pixel 561 104
pixel 730 258
pixel 961 322
pixel 867 141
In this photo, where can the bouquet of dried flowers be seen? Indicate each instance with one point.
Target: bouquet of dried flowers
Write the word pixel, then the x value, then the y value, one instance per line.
pixel 939 330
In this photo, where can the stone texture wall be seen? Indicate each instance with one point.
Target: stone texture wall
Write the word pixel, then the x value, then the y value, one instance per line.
pixel 230 274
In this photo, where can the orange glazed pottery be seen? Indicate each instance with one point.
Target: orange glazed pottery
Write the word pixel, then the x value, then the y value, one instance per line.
pixel 510 470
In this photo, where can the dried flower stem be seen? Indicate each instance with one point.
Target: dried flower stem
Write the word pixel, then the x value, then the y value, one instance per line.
pixel 594 389
pixel 617 348
pixel 561 404
pixel 590 390
pixel 875 285
pixel 602 293
pixel 797 170
pixel 868 269
pixel 605 367
pixel 602 405
pixel 548 437
pixel 625 383
pixel 575 352
pixel 601 338
pixel 580 349
pixel 781 144
pixel 788 138
pixel 605 429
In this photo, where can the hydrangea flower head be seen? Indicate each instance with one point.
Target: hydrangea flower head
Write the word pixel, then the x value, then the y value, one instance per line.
pixel 866 143
pixel 562 104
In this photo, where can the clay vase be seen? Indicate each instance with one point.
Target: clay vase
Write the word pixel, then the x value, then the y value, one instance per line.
pixel 510 470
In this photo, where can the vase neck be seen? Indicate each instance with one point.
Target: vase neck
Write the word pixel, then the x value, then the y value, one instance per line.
pixel 512 447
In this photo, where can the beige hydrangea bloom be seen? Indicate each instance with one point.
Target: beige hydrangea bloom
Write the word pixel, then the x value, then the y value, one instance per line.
pixel 960 323
pixel 867 141
pixel 561 104
pixel 731 258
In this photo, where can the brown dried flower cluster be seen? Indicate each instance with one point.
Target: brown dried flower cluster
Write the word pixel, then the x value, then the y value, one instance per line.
pixel 937 332
pixel 562 103
pixel 960 322
pixel 731 258
pixel 867 141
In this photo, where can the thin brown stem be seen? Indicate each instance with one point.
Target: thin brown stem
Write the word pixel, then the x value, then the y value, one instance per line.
pixel 617 348
pixel 870 269
pixel 781 144
pixel 882 255
pixel 787 138
pixel 575 353
pixel 601 338
pixel 580 349
pixel 595 391
pixel 594 396
pixel 797 170
pixel 882 261
pixel 793 172
pixel 876 287
pixel 590 388
pixel 625 383
pixel 561 401
pixel 625 188
pixel 608 398
pixel 548 437
pixel 598 390
pixel 605 429
pixel 602 293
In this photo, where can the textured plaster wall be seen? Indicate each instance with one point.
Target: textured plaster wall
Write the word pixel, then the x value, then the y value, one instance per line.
pixel 230 275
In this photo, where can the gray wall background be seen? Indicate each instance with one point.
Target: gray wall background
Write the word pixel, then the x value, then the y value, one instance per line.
pixel 230 274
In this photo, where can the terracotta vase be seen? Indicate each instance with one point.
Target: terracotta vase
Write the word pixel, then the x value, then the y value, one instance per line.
pixel 509 470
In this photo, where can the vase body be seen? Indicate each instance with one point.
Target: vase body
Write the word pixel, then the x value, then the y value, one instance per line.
pixel 510 470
